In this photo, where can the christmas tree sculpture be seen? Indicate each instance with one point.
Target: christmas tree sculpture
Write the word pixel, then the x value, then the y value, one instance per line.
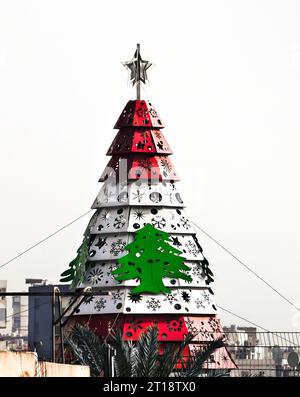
pixel 142 248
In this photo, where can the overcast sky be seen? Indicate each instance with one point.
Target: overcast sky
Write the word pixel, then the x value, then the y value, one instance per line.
pixel 227 86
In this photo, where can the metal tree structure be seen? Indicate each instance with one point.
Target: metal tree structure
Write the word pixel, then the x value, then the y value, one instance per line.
pixel 140 189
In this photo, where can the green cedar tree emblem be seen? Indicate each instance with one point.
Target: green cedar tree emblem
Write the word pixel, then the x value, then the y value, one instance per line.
pixel 77 268
pixel 151 258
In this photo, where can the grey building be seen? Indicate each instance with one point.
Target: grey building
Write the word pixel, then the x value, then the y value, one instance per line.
pixel 3 304
pixel 20 315
pixel 40 330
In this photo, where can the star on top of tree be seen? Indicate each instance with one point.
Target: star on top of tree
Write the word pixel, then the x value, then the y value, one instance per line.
pixel 138 70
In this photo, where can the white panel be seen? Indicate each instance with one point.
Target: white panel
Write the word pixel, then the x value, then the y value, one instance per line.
pixel 179 301
pixel 170 220
pixel 138 193
pixel 115 220
pixel 159 194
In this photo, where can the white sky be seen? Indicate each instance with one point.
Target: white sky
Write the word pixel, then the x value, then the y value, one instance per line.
pixel 227 86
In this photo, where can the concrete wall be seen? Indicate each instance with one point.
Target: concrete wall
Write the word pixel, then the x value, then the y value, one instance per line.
pixel 65 370
pixel 23 364
pixel 17 364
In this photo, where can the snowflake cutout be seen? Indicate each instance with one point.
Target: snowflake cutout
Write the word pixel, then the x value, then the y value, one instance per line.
pixel 146 164
pixel 117 247
pixel 197 270
pixel 204 333
pixel 158 221
pixel 206 297
pixel 141 112
pixel 100 304
pixel 199 304
pixel 166 165
pixel 139 214
pixel 105 215
pixel 144 135
pixel 119 222
pixel 185 222
pixel 189 323
pixel 215 324
pixel 153 304
pixel 157 134
pixel 171 298
pixel 192 248
pixel 95 276
pixel 138 196
pixel 175 325
pixel 153 112
pixel 117 296
pixel 135 324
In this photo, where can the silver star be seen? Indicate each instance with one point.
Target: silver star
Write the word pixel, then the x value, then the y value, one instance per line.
pixel 138 68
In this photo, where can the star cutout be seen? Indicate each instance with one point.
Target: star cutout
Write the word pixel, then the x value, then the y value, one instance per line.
pixel 137 68
pixel 176 241
pixel 140 145
pixel 101 242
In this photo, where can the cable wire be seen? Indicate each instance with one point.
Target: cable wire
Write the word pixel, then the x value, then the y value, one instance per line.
pixel 44 239
pixel 248 268
pixel 256 325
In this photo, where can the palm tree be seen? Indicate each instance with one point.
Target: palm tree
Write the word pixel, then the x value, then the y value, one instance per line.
pixel 138 359
pixel 87 349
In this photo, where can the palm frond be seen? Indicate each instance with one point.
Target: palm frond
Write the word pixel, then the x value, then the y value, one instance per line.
pixel 123 355
pixel 193 366
pixel 87 348
pixel 172 355
pixel 145 354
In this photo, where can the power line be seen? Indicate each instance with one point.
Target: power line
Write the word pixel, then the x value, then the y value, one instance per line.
pixel 248 268
pixel 244 319
pixel 44 239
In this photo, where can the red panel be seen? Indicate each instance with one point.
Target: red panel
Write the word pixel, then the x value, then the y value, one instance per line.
pixel 170 328
pixel 139 140
pixel 159 167
pixel 139 166
pixel 139 114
